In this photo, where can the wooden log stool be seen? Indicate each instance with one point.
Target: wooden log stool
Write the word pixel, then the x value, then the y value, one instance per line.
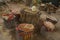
pixel 51 8
pixel 9 21
pixel 42 7
pixel 25 31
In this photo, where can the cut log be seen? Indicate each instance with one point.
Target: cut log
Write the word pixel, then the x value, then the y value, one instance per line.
pixel 52 19
pixel 50 26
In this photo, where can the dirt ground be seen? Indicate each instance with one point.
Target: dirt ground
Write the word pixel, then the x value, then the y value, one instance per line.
pixel 48 35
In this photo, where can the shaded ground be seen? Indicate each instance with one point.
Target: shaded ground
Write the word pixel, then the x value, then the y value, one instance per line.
pixel 48 35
